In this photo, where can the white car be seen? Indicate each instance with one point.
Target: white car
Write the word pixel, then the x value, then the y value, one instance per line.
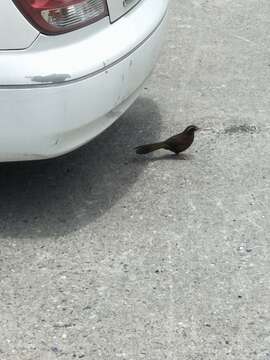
pixel 70 68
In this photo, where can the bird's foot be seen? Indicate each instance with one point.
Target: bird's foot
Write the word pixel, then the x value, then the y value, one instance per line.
pixel 181 156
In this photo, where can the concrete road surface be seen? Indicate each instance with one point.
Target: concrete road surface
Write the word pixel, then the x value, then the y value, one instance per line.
pixel 108 255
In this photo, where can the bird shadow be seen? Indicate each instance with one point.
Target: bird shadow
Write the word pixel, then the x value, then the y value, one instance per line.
pixel 167 157
pixel 51 198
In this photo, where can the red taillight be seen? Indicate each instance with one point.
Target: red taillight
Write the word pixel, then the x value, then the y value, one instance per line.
pixel 60 16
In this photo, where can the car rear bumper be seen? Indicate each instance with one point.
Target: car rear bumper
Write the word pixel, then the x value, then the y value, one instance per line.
pixel 51 113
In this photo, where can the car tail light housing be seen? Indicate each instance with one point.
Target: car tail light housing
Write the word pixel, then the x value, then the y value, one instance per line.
pixel 54 17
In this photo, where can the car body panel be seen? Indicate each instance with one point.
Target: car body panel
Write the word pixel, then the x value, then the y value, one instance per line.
pixel 118 8
pixel 77 55
pixel 64 90
pixel 15 31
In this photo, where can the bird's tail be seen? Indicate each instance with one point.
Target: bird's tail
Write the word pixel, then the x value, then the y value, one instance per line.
pixel 145 149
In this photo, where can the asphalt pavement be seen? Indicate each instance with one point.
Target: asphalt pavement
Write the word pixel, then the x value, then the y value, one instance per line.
pixel 105 254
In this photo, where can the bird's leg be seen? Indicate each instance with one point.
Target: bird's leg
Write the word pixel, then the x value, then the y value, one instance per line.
pixel 180 155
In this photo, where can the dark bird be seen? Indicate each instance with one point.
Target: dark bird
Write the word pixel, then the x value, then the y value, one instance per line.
pixel 176 143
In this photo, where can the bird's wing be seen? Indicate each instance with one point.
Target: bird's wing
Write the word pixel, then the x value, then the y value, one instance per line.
pixel 176 139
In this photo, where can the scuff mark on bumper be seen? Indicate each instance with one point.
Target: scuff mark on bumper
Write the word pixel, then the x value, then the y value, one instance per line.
pixel 50 79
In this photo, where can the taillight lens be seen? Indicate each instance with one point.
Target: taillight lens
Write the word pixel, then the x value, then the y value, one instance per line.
pixel 60 16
